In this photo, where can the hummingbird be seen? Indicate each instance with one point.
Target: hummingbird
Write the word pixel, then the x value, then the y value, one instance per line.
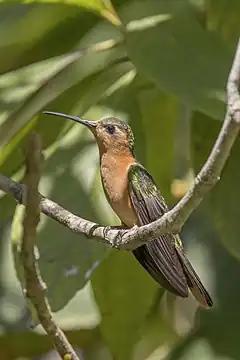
pixel 136 199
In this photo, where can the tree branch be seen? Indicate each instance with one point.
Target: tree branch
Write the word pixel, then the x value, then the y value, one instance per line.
pixel 173 220
pixel 35 287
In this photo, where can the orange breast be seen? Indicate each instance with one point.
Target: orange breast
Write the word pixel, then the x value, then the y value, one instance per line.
pixel 114 172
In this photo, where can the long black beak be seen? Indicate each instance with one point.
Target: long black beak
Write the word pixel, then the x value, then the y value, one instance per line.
pixel 90 124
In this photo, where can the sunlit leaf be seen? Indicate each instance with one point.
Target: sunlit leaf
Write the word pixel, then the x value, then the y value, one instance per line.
pixel 170 47
pixel 34 32
pixel 77 65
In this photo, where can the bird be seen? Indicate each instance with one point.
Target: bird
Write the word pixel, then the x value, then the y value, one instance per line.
pixel 134 196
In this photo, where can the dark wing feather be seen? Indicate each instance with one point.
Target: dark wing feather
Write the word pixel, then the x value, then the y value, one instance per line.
pixel 158 257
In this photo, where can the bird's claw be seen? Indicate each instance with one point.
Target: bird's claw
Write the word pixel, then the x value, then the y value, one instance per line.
pixel 114 241
pixel 117 239
pixel 106 230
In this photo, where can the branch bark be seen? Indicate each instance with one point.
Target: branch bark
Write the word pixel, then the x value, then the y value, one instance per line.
pixel 173 220
pixel 35 287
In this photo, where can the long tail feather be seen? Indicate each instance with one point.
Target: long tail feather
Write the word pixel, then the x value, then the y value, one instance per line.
pixel 195 285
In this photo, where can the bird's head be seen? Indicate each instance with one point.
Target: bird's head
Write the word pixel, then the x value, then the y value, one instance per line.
pixel 109 132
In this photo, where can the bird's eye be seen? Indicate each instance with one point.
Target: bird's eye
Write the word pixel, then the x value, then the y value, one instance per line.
pixel 110 129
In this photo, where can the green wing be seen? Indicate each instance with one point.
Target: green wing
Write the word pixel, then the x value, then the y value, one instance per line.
pixel 163 257
pixel 158 257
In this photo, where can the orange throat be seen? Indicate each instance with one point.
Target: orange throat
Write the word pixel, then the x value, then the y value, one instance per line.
pixel 114 174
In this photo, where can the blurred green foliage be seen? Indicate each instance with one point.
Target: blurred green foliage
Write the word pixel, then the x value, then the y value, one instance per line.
pixel 162 66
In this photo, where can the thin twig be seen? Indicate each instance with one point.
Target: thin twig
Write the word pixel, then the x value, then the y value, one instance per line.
pixel 35 287
pixel 173 220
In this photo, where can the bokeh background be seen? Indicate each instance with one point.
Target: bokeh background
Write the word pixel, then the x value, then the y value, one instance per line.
pixel 162 66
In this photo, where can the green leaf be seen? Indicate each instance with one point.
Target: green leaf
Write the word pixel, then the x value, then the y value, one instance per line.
pixel 223 16
pixel 156 335
pixel 215 333
pixel 30 33
pixel 169 46
pixel 99 88
pixel 124 293
pixel 96 5
pixel 101 7
pixel 89 91
pixel 13 312
pixel 73 68
pixel 159 112
pixel 223 201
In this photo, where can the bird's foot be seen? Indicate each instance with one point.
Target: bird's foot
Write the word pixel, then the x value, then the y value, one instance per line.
pixel 106 231
pixel 117 239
